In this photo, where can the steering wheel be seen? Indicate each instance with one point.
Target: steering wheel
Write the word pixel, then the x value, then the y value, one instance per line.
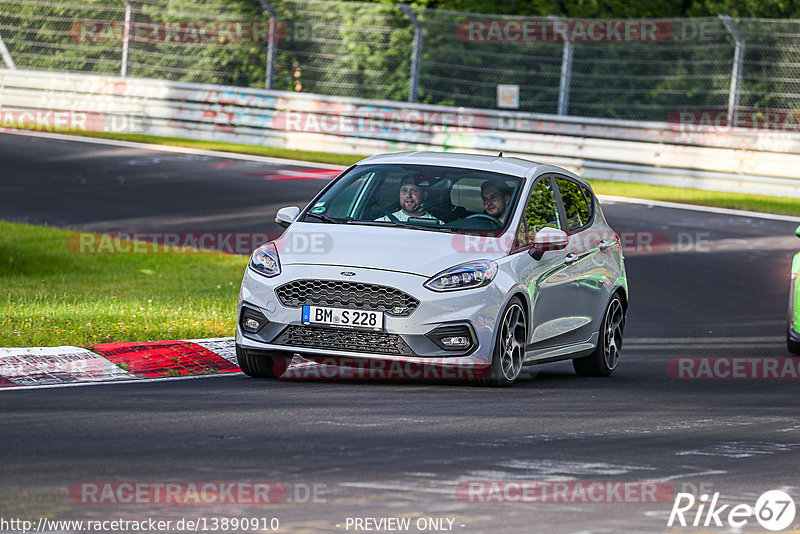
pixel 484 216
pixel 390 215
pixel 384 212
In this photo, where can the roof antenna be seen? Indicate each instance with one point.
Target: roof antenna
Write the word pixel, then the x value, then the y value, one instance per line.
pixel 500 155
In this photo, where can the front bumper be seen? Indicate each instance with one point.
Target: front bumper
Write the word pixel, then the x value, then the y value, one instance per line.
pixel 403 338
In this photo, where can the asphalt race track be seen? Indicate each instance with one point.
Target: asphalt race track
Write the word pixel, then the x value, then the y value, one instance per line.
pixel 395 449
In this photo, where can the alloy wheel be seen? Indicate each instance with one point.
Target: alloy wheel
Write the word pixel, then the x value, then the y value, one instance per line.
pixel 512 340
pixel 614 323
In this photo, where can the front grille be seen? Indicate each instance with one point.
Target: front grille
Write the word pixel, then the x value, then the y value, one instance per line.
pixel 341 339
pixel 343 294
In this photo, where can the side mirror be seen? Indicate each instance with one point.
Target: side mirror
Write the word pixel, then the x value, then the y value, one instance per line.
pixel 797 231
pixel 287 216
pixel 548 239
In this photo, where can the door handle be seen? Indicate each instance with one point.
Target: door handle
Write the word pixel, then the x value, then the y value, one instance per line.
pixel 605 245
pixel 570 258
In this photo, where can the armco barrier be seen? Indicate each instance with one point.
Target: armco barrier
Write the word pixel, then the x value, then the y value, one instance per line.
pixel 755 162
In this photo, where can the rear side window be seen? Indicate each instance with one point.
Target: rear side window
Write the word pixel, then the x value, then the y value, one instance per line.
pixel 467 193
pixel 575 204
pixel 541 208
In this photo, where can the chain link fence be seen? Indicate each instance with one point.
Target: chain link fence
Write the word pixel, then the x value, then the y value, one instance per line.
pixel 344 49
pixel 637 70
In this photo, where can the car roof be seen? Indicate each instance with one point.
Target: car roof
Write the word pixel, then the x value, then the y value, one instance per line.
pixel 502 164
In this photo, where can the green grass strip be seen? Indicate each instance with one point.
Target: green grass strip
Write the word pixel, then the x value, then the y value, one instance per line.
pixel 52 294
pixel 719 199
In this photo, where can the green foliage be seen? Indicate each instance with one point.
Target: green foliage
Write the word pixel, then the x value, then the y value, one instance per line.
pixel 53 294
pixel 341 48
pixel 47 36
pixel 219 61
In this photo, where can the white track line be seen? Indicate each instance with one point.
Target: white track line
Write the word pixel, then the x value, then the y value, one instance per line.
pixel 176 149
pixel 115 382
pixel 705 209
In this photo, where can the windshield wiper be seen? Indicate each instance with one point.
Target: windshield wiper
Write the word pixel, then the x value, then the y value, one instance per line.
pixel 397 224
pixel 323 218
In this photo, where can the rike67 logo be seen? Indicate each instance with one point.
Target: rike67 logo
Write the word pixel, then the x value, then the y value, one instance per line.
pixel 774 510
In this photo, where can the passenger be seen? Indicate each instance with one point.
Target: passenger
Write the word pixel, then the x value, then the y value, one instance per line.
pixel 496 198
pixel 412 197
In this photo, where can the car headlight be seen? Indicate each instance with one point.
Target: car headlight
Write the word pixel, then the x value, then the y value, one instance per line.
pixel 464 276
pixel 264 260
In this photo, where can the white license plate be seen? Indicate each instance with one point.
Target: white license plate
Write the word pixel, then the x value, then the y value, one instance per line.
pixel 371 320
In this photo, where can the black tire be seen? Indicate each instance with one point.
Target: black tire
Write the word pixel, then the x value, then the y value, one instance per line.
pixel 793 346
pixel 605 357
pixel 261 364
pixel 505 368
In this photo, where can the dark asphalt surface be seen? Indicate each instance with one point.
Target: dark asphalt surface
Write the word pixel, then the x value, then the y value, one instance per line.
pixel 382 449
pixel 119 189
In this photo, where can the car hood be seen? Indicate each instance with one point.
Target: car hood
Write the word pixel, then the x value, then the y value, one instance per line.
pixel 420 252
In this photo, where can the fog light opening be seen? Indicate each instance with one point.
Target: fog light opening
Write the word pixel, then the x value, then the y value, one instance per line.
pixel 456 338
pixel 252 320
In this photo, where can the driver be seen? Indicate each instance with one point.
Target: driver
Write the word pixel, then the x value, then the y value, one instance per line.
pixel 496 198
pixel 412 196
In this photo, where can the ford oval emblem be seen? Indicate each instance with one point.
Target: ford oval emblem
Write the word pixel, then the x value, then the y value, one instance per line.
pixel 347 273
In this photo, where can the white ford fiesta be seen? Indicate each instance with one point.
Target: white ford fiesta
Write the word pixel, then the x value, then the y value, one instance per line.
pixel 439 259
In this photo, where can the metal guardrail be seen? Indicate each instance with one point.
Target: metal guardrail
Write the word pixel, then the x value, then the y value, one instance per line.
pixel 643 152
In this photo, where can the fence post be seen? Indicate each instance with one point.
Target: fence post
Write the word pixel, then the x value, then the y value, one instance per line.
pixel 126 37
pixel 566 77
pixel 6 56
pixel 416 52
pixel 566 74
pixel 272 45
pixel 738 64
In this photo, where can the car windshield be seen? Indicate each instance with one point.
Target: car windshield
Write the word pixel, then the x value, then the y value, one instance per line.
pixel 424 197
